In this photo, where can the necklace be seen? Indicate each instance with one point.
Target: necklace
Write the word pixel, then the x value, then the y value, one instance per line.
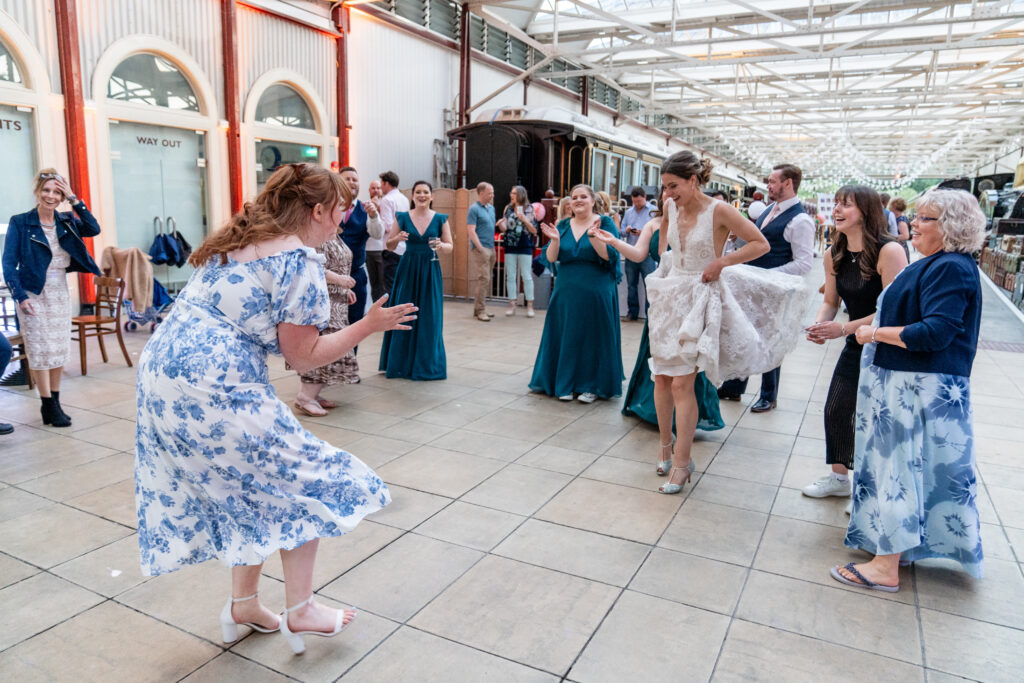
pixel 853 255
pixel 48 225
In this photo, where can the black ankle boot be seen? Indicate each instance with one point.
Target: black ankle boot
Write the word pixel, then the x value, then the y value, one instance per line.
pixel 60 408
pixel 51 413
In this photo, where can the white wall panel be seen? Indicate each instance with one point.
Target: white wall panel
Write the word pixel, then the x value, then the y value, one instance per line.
pixel 35 17
pixel 266 42
pixel 399 87
pixel 194 25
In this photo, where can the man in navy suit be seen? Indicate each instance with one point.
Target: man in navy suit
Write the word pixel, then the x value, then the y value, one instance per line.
pixel 790 233
pixel 359 224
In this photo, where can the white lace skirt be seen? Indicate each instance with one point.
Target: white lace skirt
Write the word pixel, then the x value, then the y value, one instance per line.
pixel 48 333
pixel 740 325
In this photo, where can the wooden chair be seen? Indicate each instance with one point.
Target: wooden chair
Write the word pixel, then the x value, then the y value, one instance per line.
pixel 109 296
pixel 18 346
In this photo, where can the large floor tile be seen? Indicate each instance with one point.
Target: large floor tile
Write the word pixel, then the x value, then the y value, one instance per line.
pixel 794 504
pixel 804 550
pixel 778 421
pixel 412 655
pixel 754 652
pixel 115 503
pixel 376 450
pixel 439 471
pixel 470 525
pixel 118 434
pixel 16 503
pixel 714 531
pixel 557 459
pixel 517 489
pixel 46 456
pixel 581 553
pixel 772 442
pixel 77 481
pixel 750 464
pixel 109 643
pixel 37 603
pixel 68 533
pixel 592 436
pixel 409 507
pixel 484 445
pixel 109 570
pixel 641 638
pixel 12 570
pixel 879 626
pixel 521 424
pixel 1009 504
pixel 456 413
pixel 691 580
pixel 325 659
pixel 612 470
pixel 403 577
pixel 943 586
pixel 230 668
pixel 734 492
pixel 488 607
pixel 614 510
pixel 973 649
pixel 337 555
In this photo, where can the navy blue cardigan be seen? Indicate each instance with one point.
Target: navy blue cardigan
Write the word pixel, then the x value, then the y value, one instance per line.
pixel 937 300
pixel 27 252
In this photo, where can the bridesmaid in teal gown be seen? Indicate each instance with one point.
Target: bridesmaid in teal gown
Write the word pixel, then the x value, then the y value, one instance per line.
pixel 418 354
pixel 639 399
pixel 581 349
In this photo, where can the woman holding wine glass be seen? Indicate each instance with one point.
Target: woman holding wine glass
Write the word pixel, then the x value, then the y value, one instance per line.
pixel 418 353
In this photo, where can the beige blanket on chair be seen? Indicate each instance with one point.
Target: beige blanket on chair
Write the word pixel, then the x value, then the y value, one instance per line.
pixel 133 266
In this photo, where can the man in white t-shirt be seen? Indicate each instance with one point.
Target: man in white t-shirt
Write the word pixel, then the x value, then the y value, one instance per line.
pixel 392 202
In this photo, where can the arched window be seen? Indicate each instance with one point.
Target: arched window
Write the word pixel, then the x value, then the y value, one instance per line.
pixel 9 71
pixel 280 105
pixel 150 79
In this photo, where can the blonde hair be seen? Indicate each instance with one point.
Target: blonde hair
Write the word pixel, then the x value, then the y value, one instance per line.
pixel 563 208
pixel 604 204
pixel 284 207
pixel 961 222
pixel 44 176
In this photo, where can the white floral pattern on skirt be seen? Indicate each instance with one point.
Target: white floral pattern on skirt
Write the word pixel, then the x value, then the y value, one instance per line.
pixel 47 333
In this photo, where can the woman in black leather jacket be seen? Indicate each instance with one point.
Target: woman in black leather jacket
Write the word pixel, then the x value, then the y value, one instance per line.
pixel 42 246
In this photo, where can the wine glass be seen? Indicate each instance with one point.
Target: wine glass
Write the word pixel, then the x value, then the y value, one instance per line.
pixel 434 243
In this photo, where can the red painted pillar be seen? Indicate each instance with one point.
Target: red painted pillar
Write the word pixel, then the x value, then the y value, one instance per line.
pixel 74 119
pixel 229 53
pixel 465 64
pixel 341 19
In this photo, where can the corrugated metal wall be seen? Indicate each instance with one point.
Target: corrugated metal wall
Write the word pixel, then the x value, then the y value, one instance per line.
pixel 193 25
pixel 35 17
pixel 399 87
pixel 266 42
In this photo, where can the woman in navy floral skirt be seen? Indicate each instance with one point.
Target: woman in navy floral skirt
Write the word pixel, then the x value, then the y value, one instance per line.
pixel 914 485
pixel 223 468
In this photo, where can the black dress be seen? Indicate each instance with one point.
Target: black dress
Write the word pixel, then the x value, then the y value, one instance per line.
pixel 860 297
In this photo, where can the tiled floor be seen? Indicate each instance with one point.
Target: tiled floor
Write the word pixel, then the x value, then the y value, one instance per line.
pixel 525 541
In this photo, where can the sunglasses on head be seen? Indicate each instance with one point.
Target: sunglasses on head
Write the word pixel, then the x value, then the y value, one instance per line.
pixel 49 176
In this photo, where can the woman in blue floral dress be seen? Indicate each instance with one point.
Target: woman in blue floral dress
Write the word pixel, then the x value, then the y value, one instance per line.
pixel 223 468
pixel 914 484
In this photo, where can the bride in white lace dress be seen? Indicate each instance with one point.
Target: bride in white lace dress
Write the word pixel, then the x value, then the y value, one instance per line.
pixel 708 312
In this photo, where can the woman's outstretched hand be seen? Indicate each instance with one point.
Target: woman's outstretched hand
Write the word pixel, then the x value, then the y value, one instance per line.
pixel 601 235
pixel 550 231
pixel 382 319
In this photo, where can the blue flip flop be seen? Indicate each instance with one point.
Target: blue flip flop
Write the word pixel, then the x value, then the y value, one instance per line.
pixel 862 583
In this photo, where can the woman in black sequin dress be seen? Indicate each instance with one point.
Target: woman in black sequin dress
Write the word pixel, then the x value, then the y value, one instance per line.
pixel 862 261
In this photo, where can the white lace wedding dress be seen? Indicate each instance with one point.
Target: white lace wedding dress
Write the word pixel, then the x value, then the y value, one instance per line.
pixel 742 324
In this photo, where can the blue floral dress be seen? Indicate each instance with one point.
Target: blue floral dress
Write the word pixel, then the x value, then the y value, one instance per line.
pixel 222 467
pixel 914 486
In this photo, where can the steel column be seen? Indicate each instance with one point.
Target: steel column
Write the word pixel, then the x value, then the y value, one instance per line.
pixel 233 111
pixel 585 97
pixel 74 119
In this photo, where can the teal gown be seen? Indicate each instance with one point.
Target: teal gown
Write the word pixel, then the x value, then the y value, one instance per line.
pixel 581 349
pixel 639 399
pixel 417 353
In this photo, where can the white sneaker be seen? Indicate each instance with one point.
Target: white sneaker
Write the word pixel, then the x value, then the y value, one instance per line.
pixel 827 486
pixel 587 397
pixel 567 397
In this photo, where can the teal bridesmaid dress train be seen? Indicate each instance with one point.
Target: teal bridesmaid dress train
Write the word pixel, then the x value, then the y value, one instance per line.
pixel 581 349
pixel 639 399
pixel 418 353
